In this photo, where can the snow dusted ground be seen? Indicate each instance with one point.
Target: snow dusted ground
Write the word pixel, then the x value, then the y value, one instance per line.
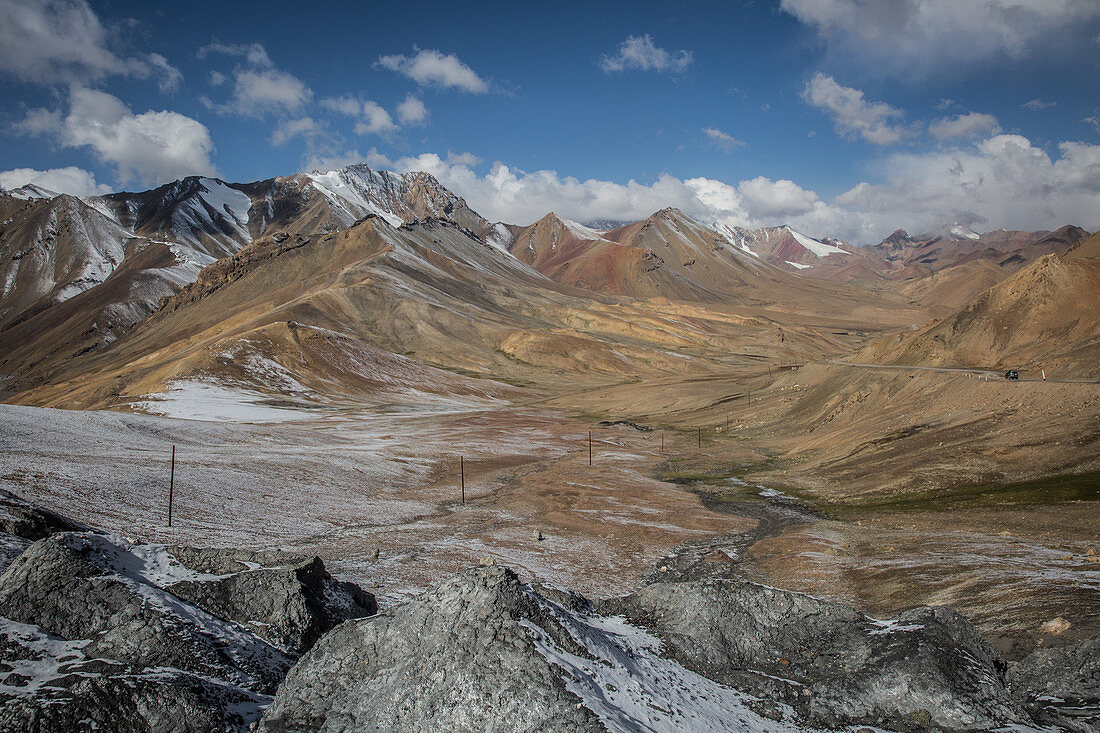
pixel 331 484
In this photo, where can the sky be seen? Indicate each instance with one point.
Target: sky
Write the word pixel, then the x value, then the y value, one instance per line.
pixel 842 118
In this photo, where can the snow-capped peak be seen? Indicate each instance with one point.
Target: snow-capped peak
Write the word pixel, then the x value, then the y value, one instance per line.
pixel 357 191
pixel 30 191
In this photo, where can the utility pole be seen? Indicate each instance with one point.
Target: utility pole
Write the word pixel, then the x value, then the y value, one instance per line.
pixel 171 486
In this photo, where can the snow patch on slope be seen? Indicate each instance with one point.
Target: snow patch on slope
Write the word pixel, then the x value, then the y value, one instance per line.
pixel 581 231
pixel 961 232
pixel 818 248
pixel 194 400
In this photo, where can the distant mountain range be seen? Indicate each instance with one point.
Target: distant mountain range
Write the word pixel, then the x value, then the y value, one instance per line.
pixel 398 264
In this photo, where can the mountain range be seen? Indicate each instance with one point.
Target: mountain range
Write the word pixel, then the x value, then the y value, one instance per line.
pixel 367 286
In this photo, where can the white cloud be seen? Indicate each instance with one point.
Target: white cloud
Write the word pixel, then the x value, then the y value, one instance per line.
pixel 151 147
pixel 430 67
pixel 640 52
pixel 54 41
pixel 39 121
pixel 257 92
pixel 1002 181
pixel 968 125
pixel 168 76
pixel 1094 121
pixel 722 139
pixel 253 53
pixel 289 129
pixel 917 37
pixel 778 200
pixel 371 117
pixel 375 121
pixel 1037 104
pixel 412 111
pixel 64 42
pixel 347 106
pixel 70 180
pixel 853 115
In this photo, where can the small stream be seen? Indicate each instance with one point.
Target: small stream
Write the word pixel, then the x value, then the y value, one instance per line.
pixel 725 556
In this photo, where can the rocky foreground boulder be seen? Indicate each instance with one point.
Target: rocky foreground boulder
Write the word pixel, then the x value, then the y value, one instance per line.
pixel 484 651
pixel 97 632
pixel 21 523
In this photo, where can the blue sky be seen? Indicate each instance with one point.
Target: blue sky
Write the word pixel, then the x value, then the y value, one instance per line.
pixel 844 118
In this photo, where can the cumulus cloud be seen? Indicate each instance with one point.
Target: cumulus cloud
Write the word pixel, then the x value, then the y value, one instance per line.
pixel 722 139
pixel 641 53
pixel 852 114
pixel 371 117
pixel 70 180
pixel 257 92
pixel 259 89
pixel 48 42
pixel 430 67
pixel 64 42
pixel 290 129
pixel 968 125
pixel 412 111
pixel 151 147
pixel 1001 181
pixel 922 36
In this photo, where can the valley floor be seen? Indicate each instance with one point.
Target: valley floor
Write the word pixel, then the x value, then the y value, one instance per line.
pixel 376 492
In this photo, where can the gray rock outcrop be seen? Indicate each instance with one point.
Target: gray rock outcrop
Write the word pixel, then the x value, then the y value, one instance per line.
pixel 1061 687
pixel 456 658
pixel 831 664
pixel 140 637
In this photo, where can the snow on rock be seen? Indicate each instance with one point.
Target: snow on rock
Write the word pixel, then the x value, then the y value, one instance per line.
pixel 353 196
pixel 29 191
pixel 798 265
pixel 821 249
pixel 500 237
pixel 625 681
pixel 212 203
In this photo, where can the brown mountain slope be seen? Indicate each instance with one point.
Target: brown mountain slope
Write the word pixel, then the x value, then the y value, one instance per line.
pixel 429 291
pixel 1046 316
